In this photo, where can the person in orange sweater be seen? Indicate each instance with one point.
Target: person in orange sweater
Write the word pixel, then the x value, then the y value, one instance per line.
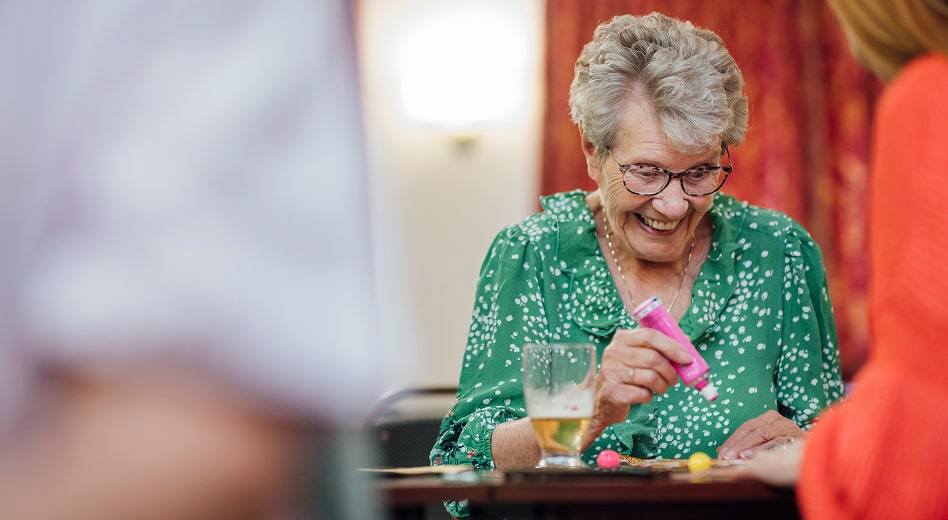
pixel 882 452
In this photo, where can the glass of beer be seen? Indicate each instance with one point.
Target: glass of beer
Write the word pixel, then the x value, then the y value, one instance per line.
pixel 559 383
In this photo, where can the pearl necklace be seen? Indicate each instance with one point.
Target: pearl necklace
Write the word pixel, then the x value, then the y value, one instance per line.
pixel 625 282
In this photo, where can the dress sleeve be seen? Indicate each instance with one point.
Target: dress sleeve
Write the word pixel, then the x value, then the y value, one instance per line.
pixel 508 312
pixel 808 377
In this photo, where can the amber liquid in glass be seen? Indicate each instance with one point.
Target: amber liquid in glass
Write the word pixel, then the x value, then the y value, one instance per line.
pixel 560 437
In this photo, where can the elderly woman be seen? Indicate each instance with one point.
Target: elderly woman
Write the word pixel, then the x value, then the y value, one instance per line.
pixel 659 104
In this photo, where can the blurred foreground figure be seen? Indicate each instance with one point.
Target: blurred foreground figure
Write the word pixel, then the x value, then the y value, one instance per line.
pixel 881 454
pixel 184 277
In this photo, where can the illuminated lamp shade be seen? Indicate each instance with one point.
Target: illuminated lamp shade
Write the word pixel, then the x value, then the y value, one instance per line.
pixel 462 66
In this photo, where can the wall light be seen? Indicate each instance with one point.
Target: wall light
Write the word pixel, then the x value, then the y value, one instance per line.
pixel 462 66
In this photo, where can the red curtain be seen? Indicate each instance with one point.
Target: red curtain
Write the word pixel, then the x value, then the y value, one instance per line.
pixel 806 149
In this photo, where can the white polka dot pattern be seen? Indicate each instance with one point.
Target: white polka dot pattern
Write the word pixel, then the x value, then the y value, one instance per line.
pixel 760 315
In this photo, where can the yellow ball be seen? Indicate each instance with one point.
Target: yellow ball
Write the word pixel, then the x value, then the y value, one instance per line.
pixel 699 461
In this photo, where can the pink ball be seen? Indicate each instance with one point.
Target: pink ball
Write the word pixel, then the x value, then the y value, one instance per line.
pixel 608 459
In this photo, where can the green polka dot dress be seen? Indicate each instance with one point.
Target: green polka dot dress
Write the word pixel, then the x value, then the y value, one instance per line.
pixel 760 315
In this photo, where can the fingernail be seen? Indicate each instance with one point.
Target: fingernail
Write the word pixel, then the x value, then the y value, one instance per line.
pixel 746 454
pixel 726 454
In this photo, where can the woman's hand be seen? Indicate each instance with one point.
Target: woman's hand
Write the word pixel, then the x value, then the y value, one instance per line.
pixel 635 366
pixel 768 430
pixel 778 466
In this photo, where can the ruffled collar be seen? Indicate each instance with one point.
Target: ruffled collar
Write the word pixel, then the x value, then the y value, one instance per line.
pixel 597 306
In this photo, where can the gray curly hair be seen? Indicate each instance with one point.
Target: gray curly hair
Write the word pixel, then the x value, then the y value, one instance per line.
pixel 690 78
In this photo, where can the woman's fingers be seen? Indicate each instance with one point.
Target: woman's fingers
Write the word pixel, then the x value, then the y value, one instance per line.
pixel 646 351
pixel 651 379
pixel 654 340
pixel 769 430
pixel 633 369
pixel 780 442
pixel 776 466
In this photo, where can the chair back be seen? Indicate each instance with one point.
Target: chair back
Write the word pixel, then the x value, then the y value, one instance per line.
pixel 404 424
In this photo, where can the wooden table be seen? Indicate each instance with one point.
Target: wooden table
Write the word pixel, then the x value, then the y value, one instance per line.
pixel 495 495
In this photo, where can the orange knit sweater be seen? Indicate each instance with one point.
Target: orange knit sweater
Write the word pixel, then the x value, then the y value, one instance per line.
pixel 884 452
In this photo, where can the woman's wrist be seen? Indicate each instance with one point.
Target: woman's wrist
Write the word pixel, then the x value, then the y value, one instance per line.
pixel 513 445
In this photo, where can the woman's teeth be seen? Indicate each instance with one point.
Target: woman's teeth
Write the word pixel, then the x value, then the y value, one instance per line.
pixel 659 225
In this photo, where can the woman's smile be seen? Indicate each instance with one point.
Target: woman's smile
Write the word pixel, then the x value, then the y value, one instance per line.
pixel 658 225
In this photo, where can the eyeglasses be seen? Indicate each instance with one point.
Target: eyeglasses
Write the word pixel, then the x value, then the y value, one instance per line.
pixel 645 179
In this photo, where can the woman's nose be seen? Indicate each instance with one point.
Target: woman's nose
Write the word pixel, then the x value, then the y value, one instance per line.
pixel 672 202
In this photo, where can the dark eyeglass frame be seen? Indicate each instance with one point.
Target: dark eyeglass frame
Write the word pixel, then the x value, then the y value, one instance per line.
pixel 727 169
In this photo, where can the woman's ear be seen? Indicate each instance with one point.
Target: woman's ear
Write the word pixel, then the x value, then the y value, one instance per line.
pixel 592 161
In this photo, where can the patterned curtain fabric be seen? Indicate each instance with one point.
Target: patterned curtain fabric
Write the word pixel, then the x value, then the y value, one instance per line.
pixel 806 150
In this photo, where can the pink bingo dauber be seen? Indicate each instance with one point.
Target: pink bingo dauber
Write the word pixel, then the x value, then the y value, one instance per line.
pixel 652 314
